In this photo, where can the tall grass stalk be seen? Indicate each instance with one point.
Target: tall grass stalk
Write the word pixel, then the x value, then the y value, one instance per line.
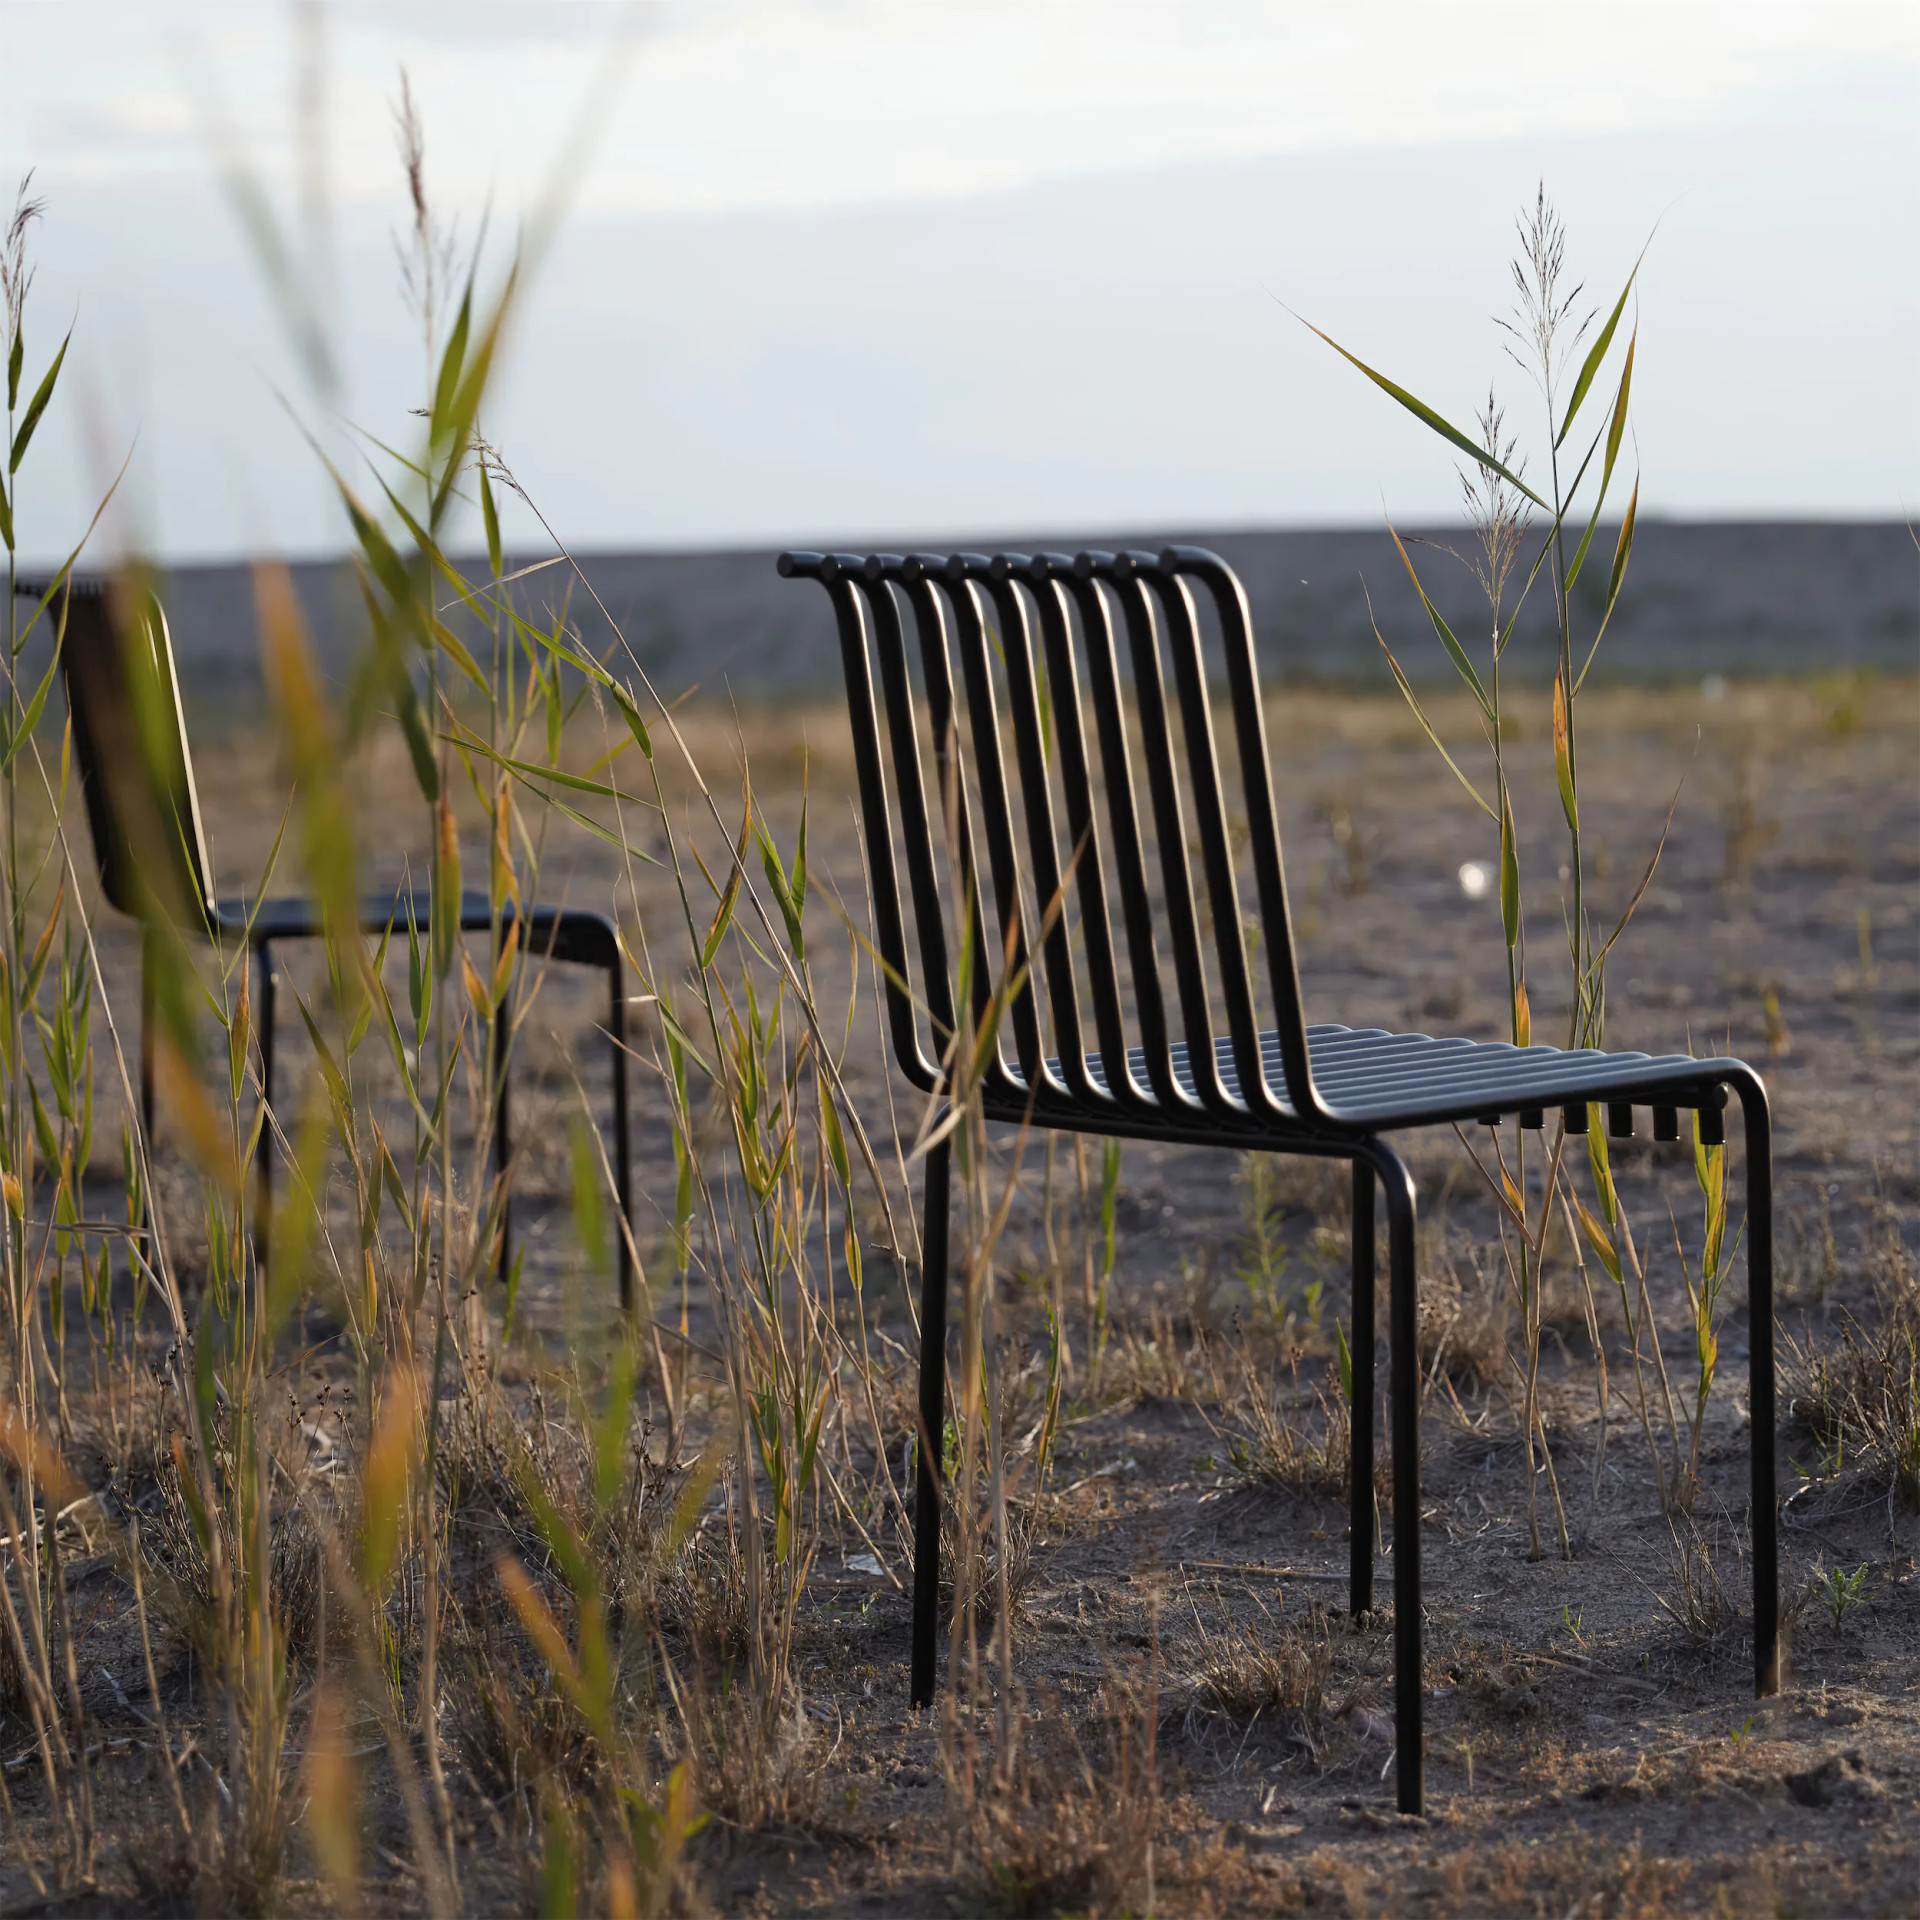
pixel 1553 340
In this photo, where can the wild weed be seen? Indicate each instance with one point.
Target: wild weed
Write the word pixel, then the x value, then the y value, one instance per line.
pixel 1858 1396
pixel 1546 334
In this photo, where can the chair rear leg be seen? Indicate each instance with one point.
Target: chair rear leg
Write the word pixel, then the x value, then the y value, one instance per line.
pixel 1404 1390
pixel 1361 1514
pixel 933 1426
pixel 1760 1387
pixel 263 1154
pixel 622 1151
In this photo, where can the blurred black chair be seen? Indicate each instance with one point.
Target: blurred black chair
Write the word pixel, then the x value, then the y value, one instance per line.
pixel 1323 1090
pixel 130 741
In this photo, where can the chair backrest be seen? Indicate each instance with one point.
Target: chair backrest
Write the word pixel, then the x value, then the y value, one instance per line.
pixel 1088 846
pixel 130 739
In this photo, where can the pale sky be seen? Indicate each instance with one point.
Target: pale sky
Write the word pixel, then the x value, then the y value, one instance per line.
pixel 843 270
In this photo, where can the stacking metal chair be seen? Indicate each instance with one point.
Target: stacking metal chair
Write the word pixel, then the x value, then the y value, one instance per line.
pixel 136 772
pixel 1157 1066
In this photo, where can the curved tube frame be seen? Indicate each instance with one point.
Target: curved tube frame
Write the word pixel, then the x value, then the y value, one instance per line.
pixel 1332 1104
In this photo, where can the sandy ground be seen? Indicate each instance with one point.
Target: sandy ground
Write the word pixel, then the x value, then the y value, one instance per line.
pixel 1587 1753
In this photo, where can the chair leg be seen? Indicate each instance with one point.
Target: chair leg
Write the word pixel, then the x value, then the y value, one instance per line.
pixel 933 1426
pixel 146 1037
pixel 1404 1390
pixel 1361 1514
pixel 622 1148
pixel 497 1063
pixel 1760 1386
pixel 263 1154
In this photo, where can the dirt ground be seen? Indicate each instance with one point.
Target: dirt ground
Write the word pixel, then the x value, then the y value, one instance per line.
pixel 1593 1743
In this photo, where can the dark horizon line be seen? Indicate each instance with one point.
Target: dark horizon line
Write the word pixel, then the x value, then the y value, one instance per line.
pixel 1148 532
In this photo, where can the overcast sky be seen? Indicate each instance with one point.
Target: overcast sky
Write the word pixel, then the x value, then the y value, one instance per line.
pixel 838 270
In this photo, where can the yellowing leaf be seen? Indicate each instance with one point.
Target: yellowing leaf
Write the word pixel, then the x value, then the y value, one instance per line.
pixel 333 1797
pixel 477 993
pixel 1563 753
pixel 1599 1239
pixel 385 1478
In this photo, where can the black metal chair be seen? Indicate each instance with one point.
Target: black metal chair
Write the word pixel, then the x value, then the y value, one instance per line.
pixel 1168 1072
pixel 136 772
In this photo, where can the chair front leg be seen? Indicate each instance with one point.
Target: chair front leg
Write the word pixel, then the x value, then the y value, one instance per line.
pixel 1361 1513
pixel 1760 1386
pixel 622 1150
pixel 1404 1390
pixel 499 1032
pixel 933 1425
pixel 263 1154
pixel 146 1036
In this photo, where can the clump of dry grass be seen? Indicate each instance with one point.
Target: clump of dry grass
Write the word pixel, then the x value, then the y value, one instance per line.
pixel 1266 1675
pixel 1701 1598
pixel 1282 1440
pixel 1463 1326
pixel 1163 1358
pixel 1858 1395
pixel 1057 1819
pixel 1020 1560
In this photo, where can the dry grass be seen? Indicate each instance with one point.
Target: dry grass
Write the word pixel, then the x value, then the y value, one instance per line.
pixel 1265 1674
pixel 1064 1819
pixel 1285 1439
pixel 1856 1392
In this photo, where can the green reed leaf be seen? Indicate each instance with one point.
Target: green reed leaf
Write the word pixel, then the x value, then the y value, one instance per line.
pixel 36 407
pixel 490 519
pixel 723 914
pixel 413 724
pixel 30 718
pixel 1597 354
pixel 1424 413
pixel 529 770
pixel 1600 1162
pixel 6 519
pixel 1622 552
pixel 782 891
pixel 381 554
pixel 457 424
pixel 1426 726
pixel 835 1139
pixel 451 362
pixel 611 1429
pixel 1616 429
pixel 419 977
pixel 1462 665
pixel 631 715
pixel 15 355
pixel 589 1216
pixel 1509 878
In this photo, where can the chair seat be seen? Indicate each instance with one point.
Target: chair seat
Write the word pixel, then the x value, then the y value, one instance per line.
pixel 563 933
pixel 1372 1078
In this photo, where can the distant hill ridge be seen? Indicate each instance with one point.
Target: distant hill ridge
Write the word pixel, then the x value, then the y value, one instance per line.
pixel 1737 598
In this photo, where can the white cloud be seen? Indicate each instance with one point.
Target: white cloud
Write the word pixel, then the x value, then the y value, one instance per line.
pixel 733 105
